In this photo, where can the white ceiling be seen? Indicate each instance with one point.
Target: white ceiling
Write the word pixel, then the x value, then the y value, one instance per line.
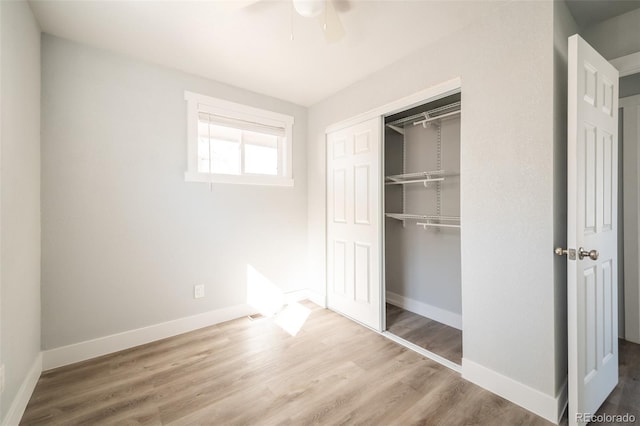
pixel 249 46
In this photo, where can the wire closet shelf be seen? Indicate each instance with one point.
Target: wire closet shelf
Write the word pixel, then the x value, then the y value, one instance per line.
pixel 425 177
pixel 424 118
pixel 418 177
pixel 426 221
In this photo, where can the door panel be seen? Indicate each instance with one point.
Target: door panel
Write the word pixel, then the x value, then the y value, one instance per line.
pixel 592 225
pixel 353 226
pixel 339 189
pixel 362 272
pixel 339 267
pixel 362 192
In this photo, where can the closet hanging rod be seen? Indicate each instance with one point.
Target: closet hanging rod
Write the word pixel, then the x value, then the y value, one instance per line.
pixel 406 216
pixel 441 110
pixel 439 225
pixel 430 119
pixel 426 175
pixel 401 182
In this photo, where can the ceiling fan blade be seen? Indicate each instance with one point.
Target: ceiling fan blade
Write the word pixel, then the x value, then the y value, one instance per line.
pixel 333 29
pixel 231 5
pixel 342 5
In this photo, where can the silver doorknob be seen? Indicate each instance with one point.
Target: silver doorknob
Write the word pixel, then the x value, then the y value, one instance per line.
pixel 560 251
pixel 591 254
pixel 571 253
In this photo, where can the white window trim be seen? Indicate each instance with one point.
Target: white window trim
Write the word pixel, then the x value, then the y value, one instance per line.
pixel 200 103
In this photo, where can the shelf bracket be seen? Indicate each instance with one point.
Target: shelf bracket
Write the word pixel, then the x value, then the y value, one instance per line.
pixel 396 128
pixel 426 123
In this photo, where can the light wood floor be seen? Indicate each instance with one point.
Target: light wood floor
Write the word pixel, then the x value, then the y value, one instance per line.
pixel 429 334
pixel 253 373
pixel 625 398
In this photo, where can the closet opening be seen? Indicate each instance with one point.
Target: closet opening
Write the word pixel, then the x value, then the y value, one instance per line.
pixel 422 225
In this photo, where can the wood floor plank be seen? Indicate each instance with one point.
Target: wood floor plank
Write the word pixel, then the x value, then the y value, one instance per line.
pixel 625 398
pixel 244 372
pixel 431 335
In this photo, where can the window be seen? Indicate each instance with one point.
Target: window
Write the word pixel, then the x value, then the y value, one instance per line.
pixel 234 143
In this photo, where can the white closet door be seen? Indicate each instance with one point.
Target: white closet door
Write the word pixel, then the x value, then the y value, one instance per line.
pixel 592 229
pixel 353 222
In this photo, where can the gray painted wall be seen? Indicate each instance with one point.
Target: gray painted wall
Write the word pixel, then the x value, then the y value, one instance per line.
pixel 629 305
pixel 615 37
pixel 125 238
pixel 20 212
pixel 630 85
pixel 508 159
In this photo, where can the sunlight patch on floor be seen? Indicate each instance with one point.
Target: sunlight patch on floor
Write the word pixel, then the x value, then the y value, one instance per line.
pixel 269 300
pixel 292 318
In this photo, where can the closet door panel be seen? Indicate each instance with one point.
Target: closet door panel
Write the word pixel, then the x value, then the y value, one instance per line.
pixel 339 261
pixel 362 142
pixel 362 193
pixel 362 283
pixel 353 222
pixel 339 189
pixel 339 147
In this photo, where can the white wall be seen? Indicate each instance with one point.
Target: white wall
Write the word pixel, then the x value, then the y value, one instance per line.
pixel 125 238
pixel 20 211
pixel 564 26
pixel 508 202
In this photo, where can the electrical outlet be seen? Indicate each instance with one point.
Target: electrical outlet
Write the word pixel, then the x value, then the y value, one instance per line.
pixel 2 378
pixel 198 291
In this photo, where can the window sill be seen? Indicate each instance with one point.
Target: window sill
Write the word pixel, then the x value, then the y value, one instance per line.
pixel 241 179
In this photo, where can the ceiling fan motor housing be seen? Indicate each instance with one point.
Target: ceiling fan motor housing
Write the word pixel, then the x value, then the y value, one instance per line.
pixel 309 8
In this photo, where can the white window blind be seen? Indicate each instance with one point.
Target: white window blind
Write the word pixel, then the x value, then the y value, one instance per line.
pixel 242 124
pixel 237 147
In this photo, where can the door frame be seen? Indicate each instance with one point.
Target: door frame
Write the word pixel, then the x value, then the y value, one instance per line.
pixel 429 94
pixel 629 65
pixel 446 88
pixel 631 220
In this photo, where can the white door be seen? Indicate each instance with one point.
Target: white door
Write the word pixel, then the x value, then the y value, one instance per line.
pixel 592 229
pixel 353 222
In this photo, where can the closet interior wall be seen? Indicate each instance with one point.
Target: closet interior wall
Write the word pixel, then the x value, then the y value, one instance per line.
pixel 423 263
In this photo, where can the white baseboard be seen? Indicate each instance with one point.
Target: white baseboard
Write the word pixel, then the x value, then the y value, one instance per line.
pixel 317 298
pixel 82 351
pixel 545 406
pixel 296 296
pixel 19 404
pixel 441 315
pixel 563 400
